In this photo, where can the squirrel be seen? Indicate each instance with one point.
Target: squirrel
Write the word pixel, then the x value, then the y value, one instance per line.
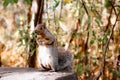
pixel 50 57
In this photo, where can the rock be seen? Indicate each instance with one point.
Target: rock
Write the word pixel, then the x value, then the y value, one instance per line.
pixel 34 74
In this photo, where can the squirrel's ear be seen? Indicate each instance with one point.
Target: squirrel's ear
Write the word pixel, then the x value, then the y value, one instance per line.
pixel 44 25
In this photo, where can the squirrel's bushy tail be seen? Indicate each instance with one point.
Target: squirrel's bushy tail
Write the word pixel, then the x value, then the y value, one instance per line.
pixel 65 60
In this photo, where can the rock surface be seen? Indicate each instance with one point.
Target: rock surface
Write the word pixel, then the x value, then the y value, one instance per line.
pixel 34 74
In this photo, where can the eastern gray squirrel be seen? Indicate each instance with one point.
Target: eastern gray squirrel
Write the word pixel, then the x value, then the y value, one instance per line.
pixel 50 57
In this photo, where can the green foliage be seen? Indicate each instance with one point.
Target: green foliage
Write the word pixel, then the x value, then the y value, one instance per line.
pixel 108 3
pixel 56 4
pixel 24 37
pixel 116 73
pixel 99 39
pixel 28 1
pixel 92 25
pixel 98 22
pixel 79 69
pixel 25 40
pixel 87 53
pixel 6 2
pixel 92 41
pixel 93 33
pixel 89 19
pixel 87 67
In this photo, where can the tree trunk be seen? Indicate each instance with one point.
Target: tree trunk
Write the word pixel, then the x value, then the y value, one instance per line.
pixel 37 20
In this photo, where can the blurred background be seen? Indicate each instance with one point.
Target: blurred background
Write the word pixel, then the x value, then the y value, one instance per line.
pixel 90 29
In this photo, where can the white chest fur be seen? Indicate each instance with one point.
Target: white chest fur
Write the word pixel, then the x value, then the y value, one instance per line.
pixel 47 56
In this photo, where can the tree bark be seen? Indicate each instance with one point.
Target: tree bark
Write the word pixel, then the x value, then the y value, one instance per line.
pixel 37 20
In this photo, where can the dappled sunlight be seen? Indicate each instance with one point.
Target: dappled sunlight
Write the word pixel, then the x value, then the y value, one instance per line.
pixel 91 30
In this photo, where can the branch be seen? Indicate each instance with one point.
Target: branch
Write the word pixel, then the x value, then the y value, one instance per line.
pixel 87 26
pixel 61 9
pixel 109 20
pixel 38 16
pixel 47 12
pixel 37 20
pixel 108 41
pixel 87 39
pixel 83 3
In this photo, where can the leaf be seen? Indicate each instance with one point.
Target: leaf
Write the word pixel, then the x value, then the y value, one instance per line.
pixel 108 3
pixel 99 39
pixel 92 41
pixel 116 73
pixel 98 22
pixel 89 19
pixel 15 1
pixel 88 67
pixel 32 52
pixel 86 53
pixel 28 1
pixel 93 33
pixel 6 2
pixel 79 69
pixel 56 4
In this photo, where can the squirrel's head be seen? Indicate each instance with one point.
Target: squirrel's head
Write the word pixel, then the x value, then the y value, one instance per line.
pixel 40 28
